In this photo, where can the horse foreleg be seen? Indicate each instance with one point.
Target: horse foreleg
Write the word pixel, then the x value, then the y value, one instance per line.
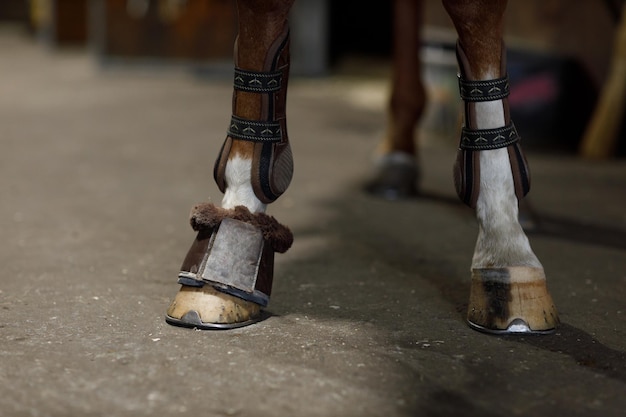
pixel 508 291
pixel 397 173
pixel 226 276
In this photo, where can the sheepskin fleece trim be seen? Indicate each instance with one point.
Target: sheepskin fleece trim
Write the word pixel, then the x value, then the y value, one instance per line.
pixel 208 216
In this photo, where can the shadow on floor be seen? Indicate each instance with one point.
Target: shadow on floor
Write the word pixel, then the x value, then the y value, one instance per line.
pixel 537 223
pixel 583 348
pixel 576 231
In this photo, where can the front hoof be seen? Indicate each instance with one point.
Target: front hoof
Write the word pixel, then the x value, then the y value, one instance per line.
pixel 208 309
pixel 227 274
pixel 513 300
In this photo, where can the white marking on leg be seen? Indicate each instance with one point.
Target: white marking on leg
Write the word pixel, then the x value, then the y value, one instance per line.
pixel 239 186
pixel 501 240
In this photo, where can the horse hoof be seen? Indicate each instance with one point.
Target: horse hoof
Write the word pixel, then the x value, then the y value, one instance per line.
pixel 513 300
pixel 396 177
pixel 208 309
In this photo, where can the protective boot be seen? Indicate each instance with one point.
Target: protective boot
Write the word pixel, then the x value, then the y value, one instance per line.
pixel 227 274
pixel 473 140
pixel 272 162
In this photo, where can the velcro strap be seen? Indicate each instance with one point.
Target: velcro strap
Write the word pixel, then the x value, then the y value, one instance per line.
pixel 486 139
pixel 257 82
pixel 254 130
pixel 474 91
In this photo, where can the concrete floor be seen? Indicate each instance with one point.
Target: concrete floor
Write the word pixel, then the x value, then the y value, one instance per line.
pixel 98 171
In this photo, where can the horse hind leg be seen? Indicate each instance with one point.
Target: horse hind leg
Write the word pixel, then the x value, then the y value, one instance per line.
pixel 226 277
pixel 508 290
pixel 397 172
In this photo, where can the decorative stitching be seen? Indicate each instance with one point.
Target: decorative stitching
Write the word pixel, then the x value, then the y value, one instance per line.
pixel 490 90
pixel 257 82
pixel 488 139
pixel 254 130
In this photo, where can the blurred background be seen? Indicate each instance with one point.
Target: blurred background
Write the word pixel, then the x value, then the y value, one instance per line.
pixel 561 52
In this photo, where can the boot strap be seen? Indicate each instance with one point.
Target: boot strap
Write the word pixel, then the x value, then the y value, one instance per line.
pixel 476 91
pixel 488 139
pixel 257 82
pixel 254 130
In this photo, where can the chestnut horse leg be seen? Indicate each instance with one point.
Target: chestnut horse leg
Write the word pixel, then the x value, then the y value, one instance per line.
pixel 226 276
pixel 508 291
pixel 397 173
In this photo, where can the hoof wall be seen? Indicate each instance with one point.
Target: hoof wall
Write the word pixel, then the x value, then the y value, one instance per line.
pixel 208 309
pixel 396 177
pixel 512 300
pixel 192 320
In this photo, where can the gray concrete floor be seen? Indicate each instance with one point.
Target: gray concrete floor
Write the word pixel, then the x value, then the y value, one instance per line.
pixel 98 171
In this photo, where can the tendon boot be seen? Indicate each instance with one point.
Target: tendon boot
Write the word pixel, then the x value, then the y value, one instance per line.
pixel 272 161
pixel 473 140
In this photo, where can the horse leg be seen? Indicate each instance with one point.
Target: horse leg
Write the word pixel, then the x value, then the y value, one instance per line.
pixel 508 290
pixel 226 276
pixel 397 173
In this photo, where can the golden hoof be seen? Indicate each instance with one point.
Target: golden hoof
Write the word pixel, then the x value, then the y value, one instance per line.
pixel 208 309
pixel 513 300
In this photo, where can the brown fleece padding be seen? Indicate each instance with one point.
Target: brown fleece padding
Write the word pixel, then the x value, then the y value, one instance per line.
pixel 208 216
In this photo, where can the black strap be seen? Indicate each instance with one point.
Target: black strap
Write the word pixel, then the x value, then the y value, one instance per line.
pixel 474 91
pixel 487 139
pixel 257 82
pixel 254 130
pixel 190 281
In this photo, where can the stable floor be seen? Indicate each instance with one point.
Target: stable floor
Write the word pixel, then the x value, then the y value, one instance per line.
pixel 98 171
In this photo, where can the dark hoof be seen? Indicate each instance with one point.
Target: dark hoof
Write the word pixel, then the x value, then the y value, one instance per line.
pixel 396 177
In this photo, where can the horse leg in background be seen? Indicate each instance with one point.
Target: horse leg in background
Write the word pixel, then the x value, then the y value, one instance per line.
pixel 397 166
pixel 508 290
pixel 226 276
